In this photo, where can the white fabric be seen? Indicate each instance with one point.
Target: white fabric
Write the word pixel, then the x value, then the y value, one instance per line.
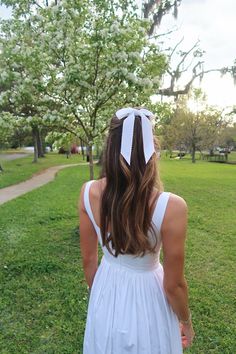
pixel 128 130
pixel 128 311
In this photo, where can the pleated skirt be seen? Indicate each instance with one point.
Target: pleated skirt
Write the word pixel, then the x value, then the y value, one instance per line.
pixel 128 313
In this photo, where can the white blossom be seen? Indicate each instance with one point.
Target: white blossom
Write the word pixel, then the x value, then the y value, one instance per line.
pixel 122 56
pixel 134 55
pixel 147 82
pixel 132 77
pixel 3 76
pixel 156 80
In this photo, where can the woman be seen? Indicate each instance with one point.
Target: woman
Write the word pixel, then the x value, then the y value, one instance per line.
pixel 136 305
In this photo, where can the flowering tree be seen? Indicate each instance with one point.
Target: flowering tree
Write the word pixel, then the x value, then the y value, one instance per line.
pixel 6 130
pixel 81 61
pixel 21 78
pixel 71 64
pixel 100 60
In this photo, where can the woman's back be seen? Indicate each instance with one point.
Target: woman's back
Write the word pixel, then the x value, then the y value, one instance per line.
pixel 128 312
pixel 92 202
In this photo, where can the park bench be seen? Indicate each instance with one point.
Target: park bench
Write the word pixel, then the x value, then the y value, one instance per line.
pixel 215 157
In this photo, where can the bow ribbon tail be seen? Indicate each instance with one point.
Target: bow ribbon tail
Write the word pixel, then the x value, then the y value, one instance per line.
pixel 127 137
pixel 148 144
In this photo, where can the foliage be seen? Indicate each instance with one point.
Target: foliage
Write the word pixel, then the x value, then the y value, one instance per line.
pixel 227 137
pixel 57 140
pixel 21 79
pixel 197 129
pixel 164 112
pixel 6 129
pixel 74 79
pixel 230 70
pixel 156 9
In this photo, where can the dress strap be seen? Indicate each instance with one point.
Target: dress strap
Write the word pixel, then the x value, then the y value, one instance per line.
pixel 87 204
pixel 160 209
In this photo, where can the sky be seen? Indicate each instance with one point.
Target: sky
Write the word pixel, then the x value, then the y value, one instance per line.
pixel 213 23
pixel 4 12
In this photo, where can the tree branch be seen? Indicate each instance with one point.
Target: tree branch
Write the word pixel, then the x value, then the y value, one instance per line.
pixel 186 54
pixel 162 7
pixel 35 3
pixel 81 123
pixel 149 7
pixel 175 47
pixel 170 91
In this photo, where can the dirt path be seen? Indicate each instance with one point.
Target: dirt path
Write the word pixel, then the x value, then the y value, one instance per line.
pixel 38 180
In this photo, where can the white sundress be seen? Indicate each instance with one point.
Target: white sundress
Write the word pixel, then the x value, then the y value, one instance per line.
pixel 128 311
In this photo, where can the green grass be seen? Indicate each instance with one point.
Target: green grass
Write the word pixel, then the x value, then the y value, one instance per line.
pixel 232 156
pixel 19 170
pixel 43 297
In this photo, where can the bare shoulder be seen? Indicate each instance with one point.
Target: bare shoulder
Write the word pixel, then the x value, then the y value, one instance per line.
pixel 94 191
pixel 177 204
pixel 97 188
pixel 174 227
pixel 81 197
pixel 176 213
pixel 82 190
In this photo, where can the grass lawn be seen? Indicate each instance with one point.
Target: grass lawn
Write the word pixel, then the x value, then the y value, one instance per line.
pixel 43 297
pixel 232 156
pixel 19 170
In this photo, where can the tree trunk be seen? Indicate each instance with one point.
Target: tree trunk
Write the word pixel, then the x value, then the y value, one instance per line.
pixel 34 132
pixel 90 154
pixel 193 153
pixel 100 158
pixel 39 143
pixel 43 143
pixel 98 153
pixel 82 148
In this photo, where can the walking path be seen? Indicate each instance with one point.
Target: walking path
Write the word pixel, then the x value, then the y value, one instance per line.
pixel 13 156
pixel 38 180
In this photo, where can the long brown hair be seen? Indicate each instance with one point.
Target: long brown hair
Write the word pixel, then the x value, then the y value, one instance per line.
pixel 125 199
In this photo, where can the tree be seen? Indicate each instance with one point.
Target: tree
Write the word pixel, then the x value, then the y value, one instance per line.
pixel 189 60
pixel 227 137
pixel 61 140
pixel 23 7
pixel 230 70
pixel 21 79
pixel 100 60
pixel 213 124
pixel 197 129
pixel 6 129
pixel 156 9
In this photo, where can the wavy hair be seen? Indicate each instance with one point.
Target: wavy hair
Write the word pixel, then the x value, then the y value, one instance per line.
pixel 125 206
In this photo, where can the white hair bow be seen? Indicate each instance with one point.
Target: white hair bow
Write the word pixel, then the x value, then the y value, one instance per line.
pixel 128 130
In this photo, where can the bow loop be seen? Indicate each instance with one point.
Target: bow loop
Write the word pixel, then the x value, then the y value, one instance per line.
pixel 128 131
